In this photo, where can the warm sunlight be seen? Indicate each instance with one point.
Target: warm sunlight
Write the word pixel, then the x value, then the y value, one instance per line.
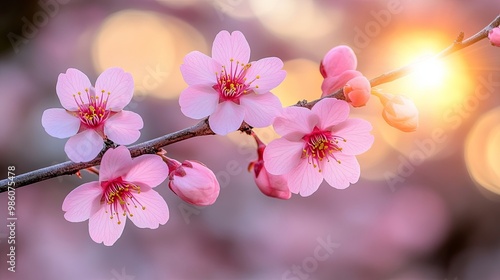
pixel 436 85
pixel 429 73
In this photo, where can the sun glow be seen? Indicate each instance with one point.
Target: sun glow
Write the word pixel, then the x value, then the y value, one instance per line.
pixel 435 84
pixel 429 73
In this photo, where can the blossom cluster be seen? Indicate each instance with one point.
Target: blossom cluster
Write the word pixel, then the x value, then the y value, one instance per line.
pixel 318 141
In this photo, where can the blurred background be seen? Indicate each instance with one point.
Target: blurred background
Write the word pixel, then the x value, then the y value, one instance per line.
pixel 427 203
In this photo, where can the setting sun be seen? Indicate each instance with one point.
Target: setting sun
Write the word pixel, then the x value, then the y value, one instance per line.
pixel 429 73
pixel 436 84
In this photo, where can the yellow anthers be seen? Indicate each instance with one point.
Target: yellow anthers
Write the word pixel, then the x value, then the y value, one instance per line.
pixel 103 91
pixel 232 59
pixel 257 77
pixel 79 93
pixel 143 207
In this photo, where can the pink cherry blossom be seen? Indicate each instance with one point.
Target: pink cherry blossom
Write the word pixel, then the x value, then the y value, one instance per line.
pixel 269 184
pixel 229 89
pixel 193 182
pixel 124 189
pixel 494 36
pixel 93 114
pixel 318 144
pixel 338 67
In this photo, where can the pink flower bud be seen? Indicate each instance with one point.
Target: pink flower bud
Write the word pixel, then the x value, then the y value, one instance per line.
pixel 193 182
pixel 494 36
pixel 357 91
pixel 399 112
pixel 269 184
pixel 338 60
pixel 334 83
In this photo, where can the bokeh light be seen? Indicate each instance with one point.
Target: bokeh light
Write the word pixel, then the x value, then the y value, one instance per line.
pixel 482 151
pixel 303 81
pixel 150 46
pixel 309 20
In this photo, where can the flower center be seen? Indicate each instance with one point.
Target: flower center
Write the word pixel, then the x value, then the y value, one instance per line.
pixel 121 194
pixel 319 145
pixel 232 83
pixel 94 113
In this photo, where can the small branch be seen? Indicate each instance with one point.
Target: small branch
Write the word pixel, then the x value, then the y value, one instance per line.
pixel 202 128
pixel 69 168
pixel 393 75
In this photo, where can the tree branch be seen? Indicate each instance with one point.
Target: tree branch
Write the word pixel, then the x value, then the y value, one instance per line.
pixel 202 128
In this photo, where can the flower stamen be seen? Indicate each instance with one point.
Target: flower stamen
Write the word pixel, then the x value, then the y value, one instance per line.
pixel 93 113
pixel 233 83
pixel 320 145
pixel 121 194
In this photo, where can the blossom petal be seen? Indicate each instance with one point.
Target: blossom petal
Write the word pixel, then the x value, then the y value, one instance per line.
pixel 198 68
pixel 123 127
pixel 282 155
pixel 296 120
pixel 84 146
pixel 260 109
pixel 147 170
pixel 338 60
pixel 82 202
pixel 340 175
pixel 69 85
pixel 331 111
pixel 266 74
pixel 334 83
pixel 304 179
pixel 198 101
pixel 118 84
pixel 227 47
pixel 155 212
pixel 60 123
pixel 115 163
pixel 227 118
pixel 356 132
pixel 104 229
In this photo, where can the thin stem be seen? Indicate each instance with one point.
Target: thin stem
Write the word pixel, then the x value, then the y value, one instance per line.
pixel 393 75
pixel 202 128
